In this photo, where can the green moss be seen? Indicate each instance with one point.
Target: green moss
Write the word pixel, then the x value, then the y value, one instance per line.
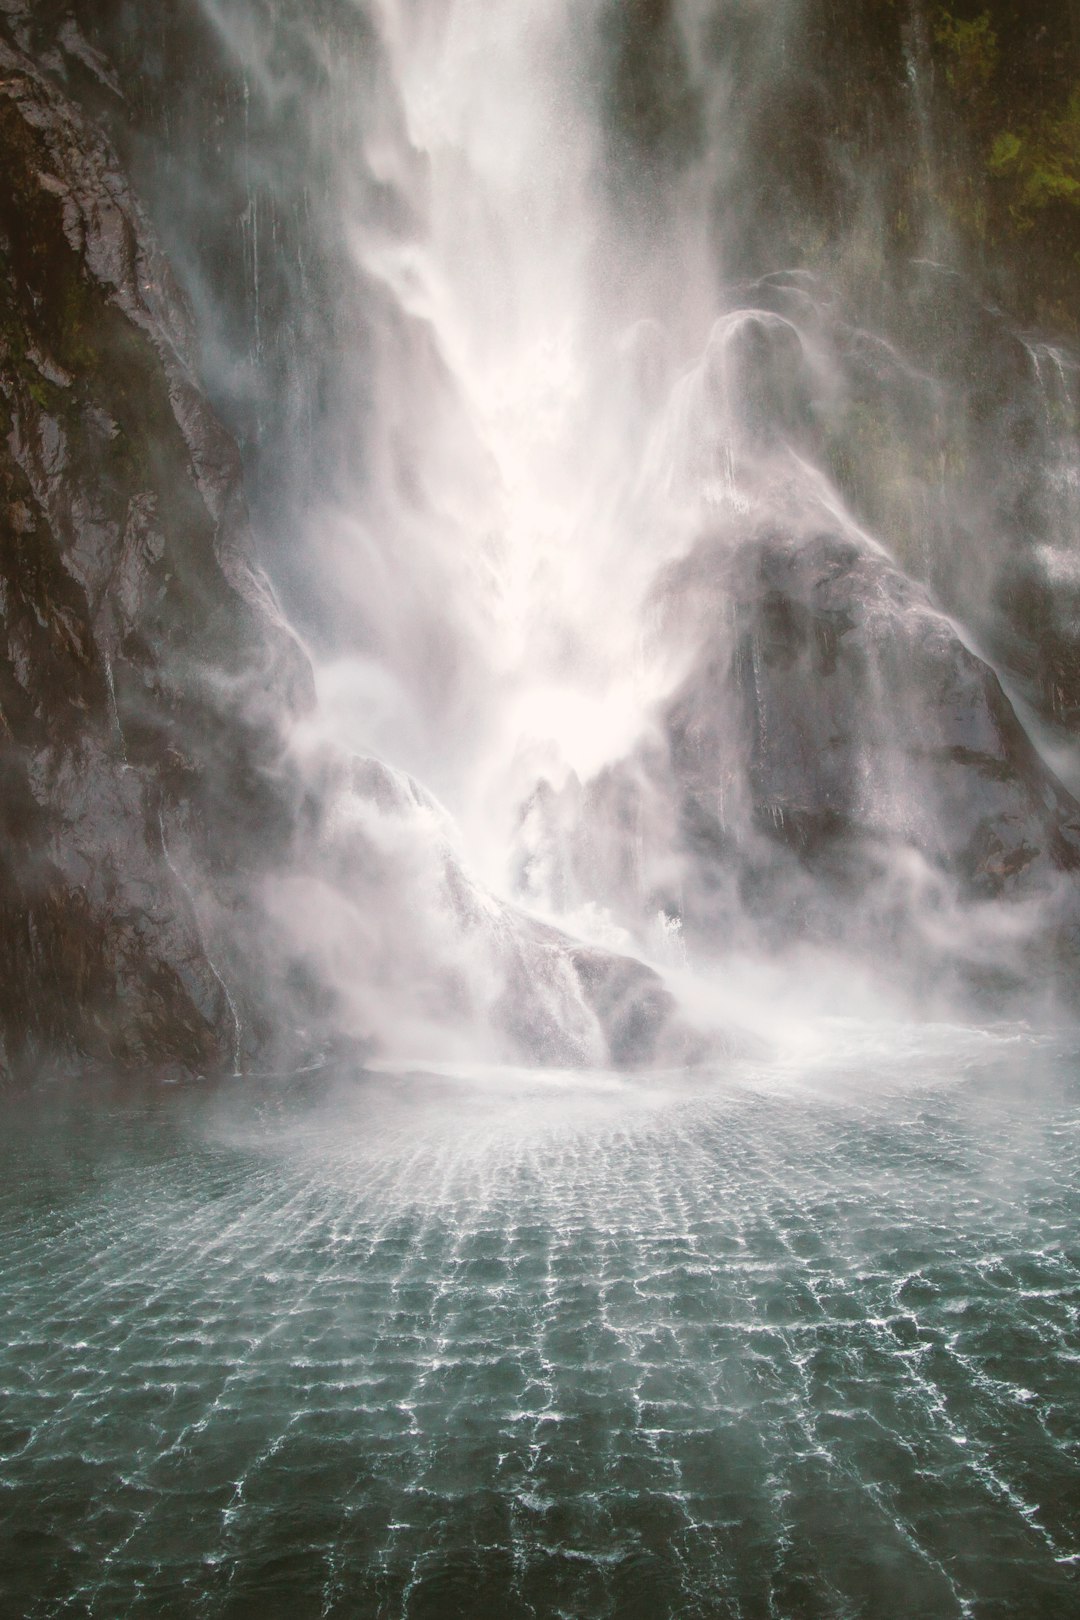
pixel 971 53
pixel 1008 123
pixel 1006 154
pixel 1039 164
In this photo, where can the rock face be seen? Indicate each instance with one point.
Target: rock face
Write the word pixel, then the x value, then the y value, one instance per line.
pixel 862 719
pixel 874 772
pixel 836 768
pixel 144 673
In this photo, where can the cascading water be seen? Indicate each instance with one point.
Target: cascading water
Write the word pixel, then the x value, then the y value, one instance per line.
pixel 515 496
pixel 560 598
pixel 606 473
pixel 654 548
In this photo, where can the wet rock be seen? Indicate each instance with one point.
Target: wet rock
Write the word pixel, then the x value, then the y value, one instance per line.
pixel 836 769
pixel 376 907
pixel 144 673
pixel 638 1015
pixel 839 746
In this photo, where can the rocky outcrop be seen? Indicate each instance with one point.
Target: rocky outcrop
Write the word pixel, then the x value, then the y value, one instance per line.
pixel 144 674
pixel 377 909
pixel 860 767
pixel 836 768
pixel 860 714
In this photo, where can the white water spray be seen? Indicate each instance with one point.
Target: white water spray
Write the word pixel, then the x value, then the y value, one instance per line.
pixel 589 469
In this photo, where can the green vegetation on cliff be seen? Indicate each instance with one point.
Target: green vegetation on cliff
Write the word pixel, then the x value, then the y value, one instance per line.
pixel 1010 118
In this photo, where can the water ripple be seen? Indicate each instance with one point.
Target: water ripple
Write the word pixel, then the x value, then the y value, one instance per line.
pixel 759 1344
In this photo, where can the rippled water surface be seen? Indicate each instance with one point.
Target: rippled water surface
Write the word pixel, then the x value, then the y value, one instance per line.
pixel 796 1339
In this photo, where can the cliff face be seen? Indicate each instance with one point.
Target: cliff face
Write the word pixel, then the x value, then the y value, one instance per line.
pixel 231 163
pixel 924 159
pixel 894 127
pixel 989 92
pixel 143 671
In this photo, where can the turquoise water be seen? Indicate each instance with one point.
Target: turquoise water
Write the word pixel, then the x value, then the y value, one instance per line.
pixel 795 1339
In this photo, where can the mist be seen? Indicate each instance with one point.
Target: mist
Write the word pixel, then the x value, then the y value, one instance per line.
pixel 670 550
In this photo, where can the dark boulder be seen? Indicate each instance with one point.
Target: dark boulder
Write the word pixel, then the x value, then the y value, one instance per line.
pixel 839 746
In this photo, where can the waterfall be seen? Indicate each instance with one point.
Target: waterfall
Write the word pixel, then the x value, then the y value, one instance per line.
pixel 540 877
pixel 666 532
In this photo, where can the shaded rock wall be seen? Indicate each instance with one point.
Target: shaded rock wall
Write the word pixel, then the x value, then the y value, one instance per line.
pixel 874 771
pixel 233 163
pixel 143 671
